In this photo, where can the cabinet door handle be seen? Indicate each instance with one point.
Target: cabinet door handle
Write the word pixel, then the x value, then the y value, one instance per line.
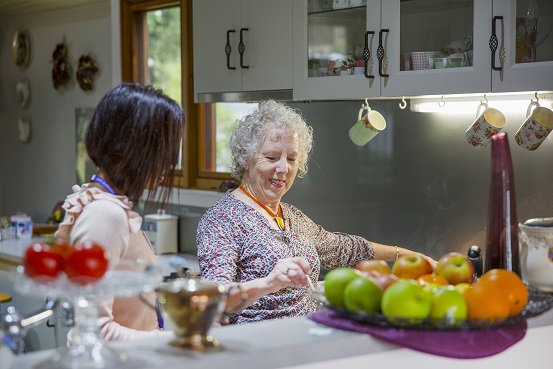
pixel 367 53
pixel 228 48
pixel 242 48
pixel 494 41
pixel 380 53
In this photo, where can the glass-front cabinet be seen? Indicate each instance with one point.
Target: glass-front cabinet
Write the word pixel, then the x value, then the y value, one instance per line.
pixel 523 28
pixel 395 48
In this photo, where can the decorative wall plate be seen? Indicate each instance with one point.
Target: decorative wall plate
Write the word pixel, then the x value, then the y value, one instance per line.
pixel 86 70
pixel 21 49
pixel 61 69
pixel 23 92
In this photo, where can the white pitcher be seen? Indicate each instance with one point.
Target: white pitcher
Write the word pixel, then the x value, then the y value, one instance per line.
pixel 536 242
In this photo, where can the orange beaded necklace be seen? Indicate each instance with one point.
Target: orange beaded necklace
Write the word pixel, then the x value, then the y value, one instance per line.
pixel 276 216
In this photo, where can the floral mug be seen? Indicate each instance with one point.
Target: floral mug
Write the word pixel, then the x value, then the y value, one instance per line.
pixel 535 129
pixel 488 124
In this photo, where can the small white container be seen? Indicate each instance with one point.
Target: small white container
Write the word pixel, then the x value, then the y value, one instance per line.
pixel 23 226
pixel 162 231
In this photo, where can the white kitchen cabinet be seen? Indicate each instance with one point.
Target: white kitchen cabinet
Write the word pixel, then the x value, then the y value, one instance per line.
pixel 242 45
pixel 395 32
pixel 526 68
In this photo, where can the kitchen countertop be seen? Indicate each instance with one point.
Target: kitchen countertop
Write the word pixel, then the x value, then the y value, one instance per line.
pixel 11 251
pixel 300 343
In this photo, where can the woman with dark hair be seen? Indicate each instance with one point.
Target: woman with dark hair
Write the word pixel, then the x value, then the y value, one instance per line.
pixel 133 139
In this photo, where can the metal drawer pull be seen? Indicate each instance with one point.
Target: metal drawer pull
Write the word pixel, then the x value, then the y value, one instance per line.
pixel 380 53
pixel 367 54
pixel 242 48
pixel 228 48
pixel 494 41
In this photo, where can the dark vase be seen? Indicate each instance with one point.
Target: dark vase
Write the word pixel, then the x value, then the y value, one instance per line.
pixel 502 248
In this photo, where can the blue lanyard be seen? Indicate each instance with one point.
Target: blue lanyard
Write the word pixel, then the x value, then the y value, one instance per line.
pixel 104 184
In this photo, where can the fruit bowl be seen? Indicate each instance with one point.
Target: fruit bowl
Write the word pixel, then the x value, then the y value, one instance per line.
pixel 538 303
pixel 88 349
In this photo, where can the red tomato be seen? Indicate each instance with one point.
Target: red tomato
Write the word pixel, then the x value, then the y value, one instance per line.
pixel 86 263
pixel 61 246
pixel 42 261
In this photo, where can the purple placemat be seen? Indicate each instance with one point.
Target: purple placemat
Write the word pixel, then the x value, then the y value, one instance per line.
pixel 456 344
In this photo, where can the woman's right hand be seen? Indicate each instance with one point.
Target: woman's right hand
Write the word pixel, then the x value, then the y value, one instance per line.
pixel 289 272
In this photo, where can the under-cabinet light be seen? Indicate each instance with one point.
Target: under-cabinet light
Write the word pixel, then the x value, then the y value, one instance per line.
pixel 470 104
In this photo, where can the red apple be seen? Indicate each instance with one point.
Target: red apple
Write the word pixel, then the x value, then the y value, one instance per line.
pixel 386 280
pixel 456 268
pixel 411 266
pixel 371 266
pixel 371 273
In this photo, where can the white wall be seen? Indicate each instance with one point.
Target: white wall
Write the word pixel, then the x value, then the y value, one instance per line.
pixel 35 175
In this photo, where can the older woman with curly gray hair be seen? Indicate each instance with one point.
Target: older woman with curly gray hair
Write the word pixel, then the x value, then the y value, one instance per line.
pixel 268 248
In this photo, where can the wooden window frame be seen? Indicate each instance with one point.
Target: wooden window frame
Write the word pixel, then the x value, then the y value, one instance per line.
pixel 191 175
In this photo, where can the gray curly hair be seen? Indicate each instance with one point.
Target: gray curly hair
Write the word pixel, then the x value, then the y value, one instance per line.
pixel 249 134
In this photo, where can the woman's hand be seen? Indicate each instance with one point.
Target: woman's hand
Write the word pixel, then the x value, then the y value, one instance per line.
pixel 432 261
pixel 289 272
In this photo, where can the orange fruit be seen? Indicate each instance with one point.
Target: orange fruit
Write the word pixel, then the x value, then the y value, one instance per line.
pixel 511 285
pixel 486 301
pixel 432 279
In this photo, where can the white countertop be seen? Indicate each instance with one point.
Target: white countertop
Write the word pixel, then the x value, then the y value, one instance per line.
pixel 300 343
pixel 13 250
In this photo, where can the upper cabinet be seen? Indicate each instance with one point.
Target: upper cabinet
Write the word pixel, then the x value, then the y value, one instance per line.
pixel 394 48
pixel 242 45
pixel 523 28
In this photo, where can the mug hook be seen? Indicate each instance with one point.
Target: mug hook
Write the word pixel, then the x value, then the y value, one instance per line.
pixel 364 107
pixel 533 104
pixel 483 105
pixel 402 103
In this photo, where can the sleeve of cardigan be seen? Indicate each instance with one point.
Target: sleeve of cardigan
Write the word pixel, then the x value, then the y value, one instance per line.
pixel 335 249
pixel 107 224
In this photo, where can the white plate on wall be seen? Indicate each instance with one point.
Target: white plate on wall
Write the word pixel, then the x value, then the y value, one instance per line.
pixel 23 92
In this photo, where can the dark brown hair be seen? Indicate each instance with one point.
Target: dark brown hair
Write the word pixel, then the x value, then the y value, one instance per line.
pixel 134 136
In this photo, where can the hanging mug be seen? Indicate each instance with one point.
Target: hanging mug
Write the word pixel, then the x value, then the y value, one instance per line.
pixel 487 124
pixel 536 127
pixel 367 126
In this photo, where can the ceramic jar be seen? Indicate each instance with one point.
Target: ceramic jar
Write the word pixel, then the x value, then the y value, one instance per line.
pixel 536 250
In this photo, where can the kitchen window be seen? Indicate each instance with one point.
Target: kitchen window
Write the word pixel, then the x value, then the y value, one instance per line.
pixel 156 40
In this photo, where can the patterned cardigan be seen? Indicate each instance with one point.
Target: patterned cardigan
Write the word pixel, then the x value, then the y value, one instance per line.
pixel 237 244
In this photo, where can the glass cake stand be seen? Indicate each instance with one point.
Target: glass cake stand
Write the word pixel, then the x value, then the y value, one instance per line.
pixel 87 349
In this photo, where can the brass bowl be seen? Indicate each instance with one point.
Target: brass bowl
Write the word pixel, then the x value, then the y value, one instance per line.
pixel 192 306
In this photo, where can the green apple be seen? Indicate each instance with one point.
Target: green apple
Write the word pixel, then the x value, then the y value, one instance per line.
pixel 456 268
pixel 448 306
pixel 406 299
pixel 462 287
pixel 363 294
pixel 336 281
